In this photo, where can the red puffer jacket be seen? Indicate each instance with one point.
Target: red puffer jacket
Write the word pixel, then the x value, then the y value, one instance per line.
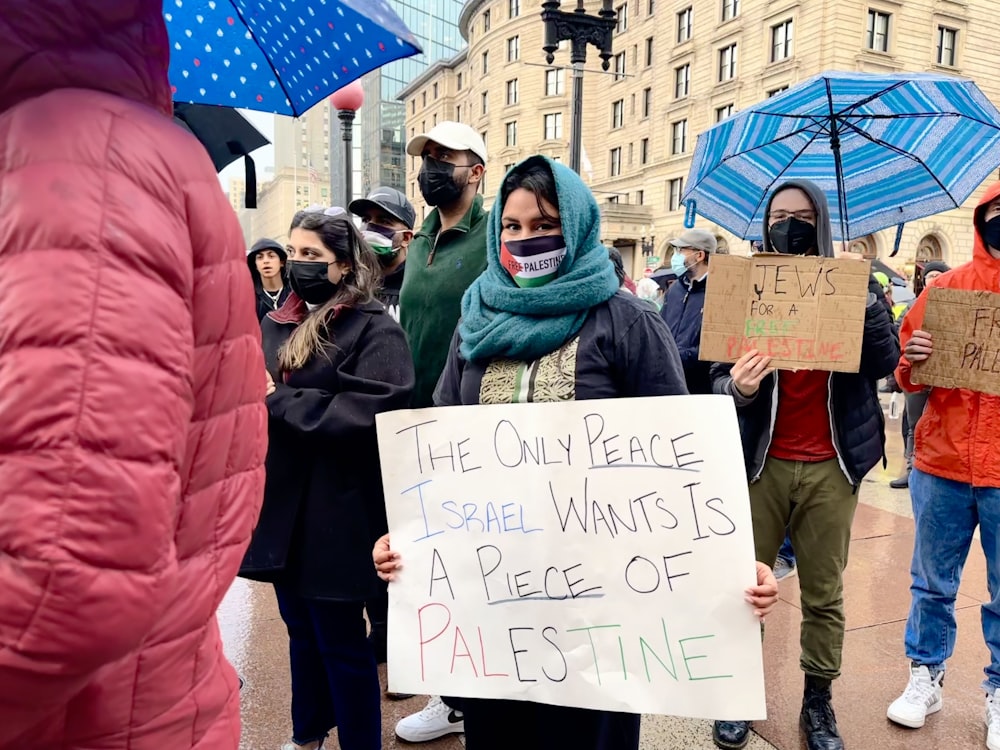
pixel 958 436
pixel 132 420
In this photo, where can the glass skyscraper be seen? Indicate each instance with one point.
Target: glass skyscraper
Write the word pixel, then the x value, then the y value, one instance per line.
pixel 381 121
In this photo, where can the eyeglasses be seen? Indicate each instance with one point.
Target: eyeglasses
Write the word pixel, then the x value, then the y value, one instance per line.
pixel 806 216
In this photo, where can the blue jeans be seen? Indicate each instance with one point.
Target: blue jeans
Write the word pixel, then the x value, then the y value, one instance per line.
pixel 786 552
pixel 946 514
pixel 334 676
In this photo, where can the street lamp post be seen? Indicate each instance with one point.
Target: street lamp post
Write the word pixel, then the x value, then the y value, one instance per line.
pixel 347 101
pixel 581 30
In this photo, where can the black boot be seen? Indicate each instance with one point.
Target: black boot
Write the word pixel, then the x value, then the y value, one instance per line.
pixel 731 735
pixel 817 719
pixel 902 482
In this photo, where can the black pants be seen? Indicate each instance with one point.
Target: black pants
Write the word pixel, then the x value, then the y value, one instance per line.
pixel 522 725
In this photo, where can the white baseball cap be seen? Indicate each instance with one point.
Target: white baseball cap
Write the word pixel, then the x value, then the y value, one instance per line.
pixel 454 135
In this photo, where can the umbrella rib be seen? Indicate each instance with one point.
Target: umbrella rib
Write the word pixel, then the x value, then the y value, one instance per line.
pixel 277 77
pixel 866 100
pixel 905 154
pixel 838 164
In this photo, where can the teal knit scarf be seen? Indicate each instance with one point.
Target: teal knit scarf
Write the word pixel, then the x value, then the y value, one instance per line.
pixel 500 319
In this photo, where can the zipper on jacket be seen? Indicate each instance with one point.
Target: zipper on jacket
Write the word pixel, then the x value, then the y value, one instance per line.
pixel 833 431
pixel 770 429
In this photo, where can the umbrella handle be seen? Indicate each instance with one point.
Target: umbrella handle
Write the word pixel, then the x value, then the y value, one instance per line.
pixel 250 195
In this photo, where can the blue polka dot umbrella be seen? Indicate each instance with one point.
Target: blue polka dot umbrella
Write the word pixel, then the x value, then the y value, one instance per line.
pixel 279 56
pixel 886 149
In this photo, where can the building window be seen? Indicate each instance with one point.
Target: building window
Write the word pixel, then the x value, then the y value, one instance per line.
pixel 678 137
pixel 434 120
pixel 644 151
pixel 647 101
pixel 458 113
pixel 413 106
pixel 616 161
pixel 682 81
pixel 947 45
pixel 675 188
pixel 486 62
pixel 512 91
pixel 485 103
pixel 649 51
pixel 651 7
pixel 622 18
pixel 617 113
pixel 781 41
pixel 554 82
pixel 640 197
pixel 631 153
pixel 423 101
pixel 513 48
pixel 512 133
pixel 727 63
pixel 553 126
pixel 435 91
pixel 684 19
pixel 775 92
pixel 484 135
pixel 486 21
pixel 878 31
pixel 619 66
pixel 458 82
pixel 721 113
pixel 514 8
pixel 730 9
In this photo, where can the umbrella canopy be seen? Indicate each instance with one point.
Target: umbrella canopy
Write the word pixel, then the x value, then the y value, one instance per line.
pixel 224 132
pixel 226 135
pixel 886 149
pixel 280 57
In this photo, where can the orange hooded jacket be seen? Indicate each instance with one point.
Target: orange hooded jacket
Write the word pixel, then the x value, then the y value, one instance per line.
pixel 958 436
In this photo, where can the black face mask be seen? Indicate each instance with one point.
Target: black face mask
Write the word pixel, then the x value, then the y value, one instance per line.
pixel 793 236
pixel 309 281
pixel 991 232
pixel 436 181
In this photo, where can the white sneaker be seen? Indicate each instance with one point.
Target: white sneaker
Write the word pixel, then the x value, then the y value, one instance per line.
pixel 436 720
pixel 993 721
pixel 921 697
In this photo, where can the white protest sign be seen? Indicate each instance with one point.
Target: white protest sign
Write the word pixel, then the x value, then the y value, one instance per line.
pixel 589 553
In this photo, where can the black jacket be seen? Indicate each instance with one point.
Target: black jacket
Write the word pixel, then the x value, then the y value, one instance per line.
pixel 622 350
pixel 856 414
pixel 682 311
pixel 323 501
pixel 265 304
pixel 388 294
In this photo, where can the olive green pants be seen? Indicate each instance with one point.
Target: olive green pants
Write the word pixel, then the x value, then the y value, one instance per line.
pixel 817 503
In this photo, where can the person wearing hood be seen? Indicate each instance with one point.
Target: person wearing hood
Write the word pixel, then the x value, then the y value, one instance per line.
pixel 916 401
pixel 685 302
pixel 133 432
pixel 335 359
pixel 955 488
pixel 549 304
pixel 266 260
pixel 809 438
pixel 388 219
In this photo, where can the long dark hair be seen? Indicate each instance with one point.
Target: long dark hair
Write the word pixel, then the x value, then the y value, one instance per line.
pixel 359 285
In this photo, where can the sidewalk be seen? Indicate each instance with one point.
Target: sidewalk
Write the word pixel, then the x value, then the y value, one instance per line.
pixel 874 669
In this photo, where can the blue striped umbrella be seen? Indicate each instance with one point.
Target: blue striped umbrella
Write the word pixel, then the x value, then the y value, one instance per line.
pixel 886 149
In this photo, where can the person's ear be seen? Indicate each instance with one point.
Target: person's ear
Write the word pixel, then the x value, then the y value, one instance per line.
pixel 407 236
pixel 476 173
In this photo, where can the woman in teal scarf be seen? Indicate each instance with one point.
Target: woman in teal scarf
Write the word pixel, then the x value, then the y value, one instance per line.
pixel 546 322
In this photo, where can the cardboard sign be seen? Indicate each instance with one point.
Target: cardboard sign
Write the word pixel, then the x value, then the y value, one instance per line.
pixel 807 313
pixel 965 326
pixel 590 553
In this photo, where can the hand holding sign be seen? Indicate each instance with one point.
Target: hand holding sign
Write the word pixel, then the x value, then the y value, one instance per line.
pixel 919 347
pixel 749 371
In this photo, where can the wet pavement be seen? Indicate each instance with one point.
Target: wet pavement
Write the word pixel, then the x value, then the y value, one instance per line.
pixel 874 669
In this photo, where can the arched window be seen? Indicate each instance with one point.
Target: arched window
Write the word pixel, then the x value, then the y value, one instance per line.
pixel 865 246
pixel 929 248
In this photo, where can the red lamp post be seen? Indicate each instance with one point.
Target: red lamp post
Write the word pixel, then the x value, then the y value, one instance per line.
pixel 347 101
